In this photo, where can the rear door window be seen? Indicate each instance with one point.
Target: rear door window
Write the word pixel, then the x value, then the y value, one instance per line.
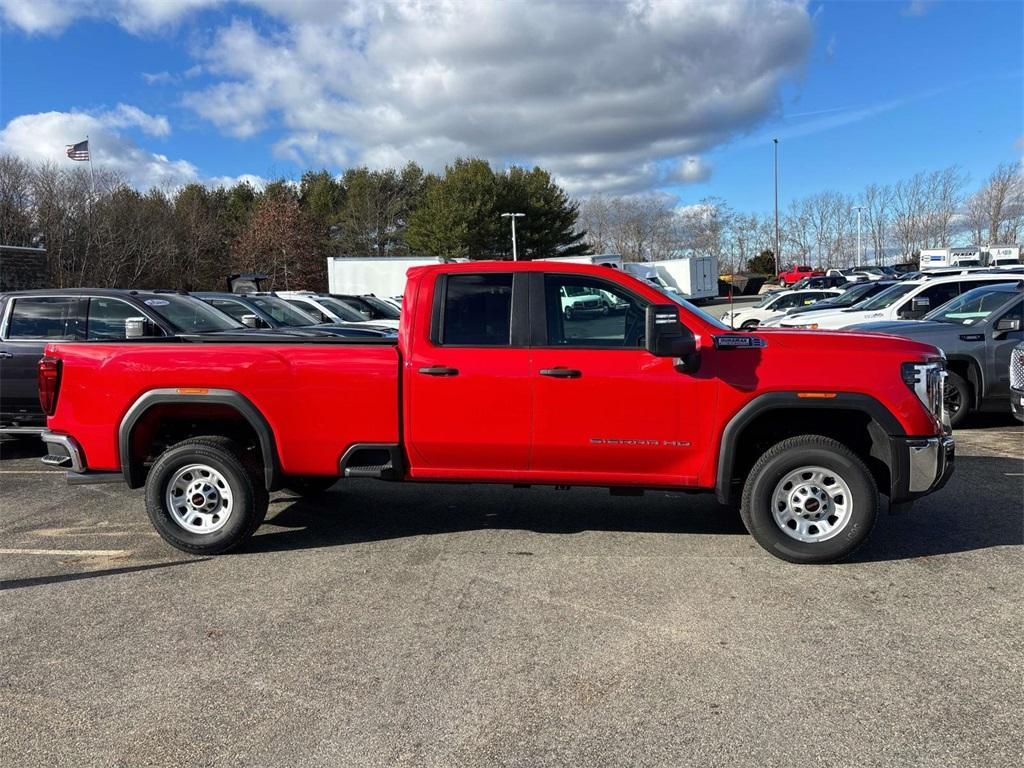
pixel 477 311
pixel 233 308
pixel 46 318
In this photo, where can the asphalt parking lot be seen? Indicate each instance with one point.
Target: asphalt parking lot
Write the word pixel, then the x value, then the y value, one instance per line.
pixel 452 625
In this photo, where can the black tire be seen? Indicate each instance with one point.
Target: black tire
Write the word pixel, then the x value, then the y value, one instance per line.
pixel 750 324
pixel 568 313
pixel 958 399
pixel 243 476
pixel 786 457
pixel 309 485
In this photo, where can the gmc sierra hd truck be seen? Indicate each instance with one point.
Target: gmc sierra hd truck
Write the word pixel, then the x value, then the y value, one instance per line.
pixel 491 382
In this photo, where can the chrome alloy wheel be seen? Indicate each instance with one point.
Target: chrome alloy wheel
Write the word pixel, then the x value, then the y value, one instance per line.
pixel 812 504
pixel 199 499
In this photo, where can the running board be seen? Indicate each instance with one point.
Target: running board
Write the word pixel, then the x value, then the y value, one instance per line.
pixel 93 478
pixel 380 461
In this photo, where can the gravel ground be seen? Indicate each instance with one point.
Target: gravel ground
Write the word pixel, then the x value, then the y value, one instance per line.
pixel 390 624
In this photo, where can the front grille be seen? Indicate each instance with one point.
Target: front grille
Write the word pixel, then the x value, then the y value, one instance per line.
pixel 1017 368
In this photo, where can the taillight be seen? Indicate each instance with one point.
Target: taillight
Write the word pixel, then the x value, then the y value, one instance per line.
pixel 49 384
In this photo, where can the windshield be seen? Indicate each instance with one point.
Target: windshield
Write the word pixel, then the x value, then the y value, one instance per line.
pixel 970 307
pixel 851 296
pixel 384 309
pixel 341 309
pixel 770 296
pixel 887 298
pixel 283 312
pixel 190 315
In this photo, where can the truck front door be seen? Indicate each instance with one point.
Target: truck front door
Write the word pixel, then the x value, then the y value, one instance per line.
pixel 605 409
pixel 467 378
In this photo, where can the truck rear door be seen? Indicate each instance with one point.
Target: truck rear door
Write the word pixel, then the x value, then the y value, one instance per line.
pixel 467 378
pixel 29 323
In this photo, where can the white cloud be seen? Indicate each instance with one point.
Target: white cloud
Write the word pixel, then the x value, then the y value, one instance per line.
pixel 691 170
pixel 603 94
pixel 42 137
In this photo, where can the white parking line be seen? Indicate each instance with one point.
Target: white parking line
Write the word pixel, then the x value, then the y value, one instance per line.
pixel 29 472
pixel 69 552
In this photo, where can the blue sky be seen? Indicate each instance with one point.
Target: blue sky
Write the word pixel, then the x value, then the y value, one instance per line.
pixel 863 92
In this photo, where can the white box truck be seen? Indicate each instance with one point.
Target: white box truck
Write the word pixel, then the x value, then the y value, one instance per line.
pixel 382 276
pixel 694 278
pixel 613 260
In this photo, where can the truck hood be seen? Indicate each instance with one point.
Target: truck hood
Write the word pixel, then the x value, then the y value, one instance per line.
pixel 844 341
pixel 917 329
pixel 837 318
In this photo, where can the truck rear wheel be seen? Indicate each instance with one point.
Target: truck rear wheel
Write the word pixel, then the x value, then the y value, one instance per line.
pixel 204 496
pixel 809 499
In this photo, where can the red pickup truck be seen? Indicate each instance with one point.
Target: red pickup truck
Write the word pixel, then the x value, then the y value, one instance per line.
pixel 493 381
pixel 798 272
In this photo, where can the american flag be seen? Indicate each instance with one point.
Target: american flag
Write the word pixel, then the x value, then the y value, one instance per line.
pixel 79 151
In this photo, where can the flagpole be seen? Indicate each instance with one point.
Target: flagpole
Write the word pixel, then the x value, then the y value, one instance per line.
pixel 92 173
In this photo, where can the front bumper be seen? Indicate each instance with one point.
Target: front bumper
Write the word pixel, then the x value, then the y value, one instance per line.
pixel 921 465
pixel 1017 403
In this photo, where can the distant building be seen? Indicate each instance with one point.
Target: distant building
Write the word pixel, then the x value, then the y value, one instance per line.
pixel 22 268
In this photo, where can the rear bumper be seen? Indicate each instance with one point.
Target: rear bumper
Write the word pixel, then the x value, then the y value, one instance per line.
pixel 921 465
pixel 63 451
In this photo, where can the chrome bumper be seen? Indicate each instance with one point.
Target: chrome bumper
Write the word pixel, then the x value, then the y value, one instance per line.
pixel 62 451
pixel 930 463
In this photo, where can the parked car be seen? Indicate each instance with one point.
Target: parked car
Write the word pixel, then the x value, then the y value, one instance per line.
pixel 798 272
pixel 29 320
pixel 849 297
pixel 978 331
pixel 580 300
pixel 906 300
pixel 328 309
pixel 265 310
pixel 824 281
pixel 801 431
pixel 1017 381
pixel 774 304
pixel 370 307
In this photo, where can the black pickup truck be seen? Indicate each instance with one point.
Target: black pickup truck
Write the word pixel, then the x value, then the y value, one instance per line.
pixel 31 319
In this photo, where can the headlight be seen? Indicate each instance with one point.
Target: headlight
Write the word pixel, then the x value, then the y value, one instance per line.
pixel 928 382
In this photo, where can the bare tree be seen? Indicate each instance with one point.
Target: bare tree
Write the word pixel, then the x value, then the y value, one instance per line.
pixel 877 202
pixel 995 212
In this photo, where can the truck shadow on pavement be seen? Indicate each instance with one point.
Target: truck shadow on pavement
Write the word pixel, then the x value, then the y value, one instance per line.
pixel 980 508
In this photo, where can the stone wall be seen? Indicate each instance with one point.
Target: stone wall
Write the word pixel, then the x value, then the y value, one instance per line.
pixel 21 270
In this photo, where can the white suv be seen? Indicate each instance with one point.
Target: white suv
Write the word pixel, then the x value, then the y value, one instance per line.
pixel 907 300
pixel 774 304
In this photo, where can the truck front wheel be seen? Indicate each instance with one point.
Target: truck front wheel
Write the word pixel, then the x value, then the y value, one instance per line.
pixel 809 499
pixel 204 496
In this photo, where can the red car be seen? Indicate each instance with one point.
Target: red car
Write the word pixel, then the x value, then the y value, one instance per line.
pixel 796 273
pixel 491 382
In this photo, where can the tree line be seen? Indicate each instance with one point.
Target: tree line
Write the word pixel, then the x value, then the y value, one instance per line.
pixel 99 231
pixel 927 210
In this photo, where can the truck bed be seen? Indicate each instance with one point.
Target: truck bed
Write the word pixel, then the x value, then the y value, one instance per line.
pixel 319 398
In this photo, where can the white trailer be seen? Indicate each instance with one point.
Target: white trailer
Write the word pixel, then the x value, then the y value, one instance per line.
pixel 694 278
pixel 382 276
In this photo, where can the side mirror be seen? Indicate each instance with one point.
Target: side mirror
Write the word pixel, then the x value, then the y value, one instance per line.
pixel 665 336
pixel 1007 324
pixel 251 321
pixel 135 327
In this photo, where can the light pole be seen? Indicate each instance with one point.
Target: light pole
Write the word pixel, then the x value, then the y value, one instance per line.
pixel 513 216
pixel 858 209
pixel 775 142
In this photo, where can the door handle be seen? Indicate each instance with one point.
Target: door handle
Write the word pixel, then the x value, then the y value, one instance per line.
pixel 6 355
pixel 561 373
pixel 439 370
